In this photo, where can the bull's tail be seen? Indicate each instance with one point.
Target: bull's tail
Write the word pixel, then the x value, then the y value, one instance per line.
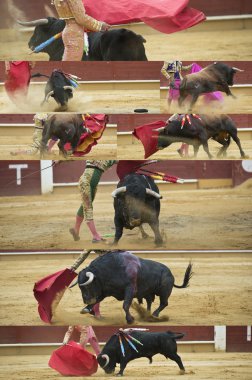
pixel 38 75
pixel 176 335
pixel 187 277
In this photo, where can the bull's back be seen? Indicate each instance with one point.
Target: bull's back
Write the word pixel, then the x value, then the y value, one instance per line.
pixel 153 275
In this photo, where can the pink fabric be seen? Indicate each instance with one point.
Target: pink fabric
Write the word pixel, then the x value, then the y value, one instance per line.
pixel 173 94
pixel 149 137
pixel 217 95
pixel 96 309
pixel 48 288
pixel 167 16
pixel 73 360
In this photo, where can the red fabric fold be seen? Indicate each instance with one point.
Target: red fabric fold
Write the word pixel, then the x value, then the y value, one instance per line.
pixel 97 124
pixel 125 167
pixel 49 290
pixel 148 137
pixel 73 360
pixel 167 16
pixel 18 79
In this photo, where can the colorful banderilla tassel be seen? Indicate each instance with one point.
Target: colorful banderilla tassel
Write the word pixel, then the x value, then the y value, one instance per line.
pixel 121 344
pixel 130 343
pixel 183 122
pixel 135 340
pixel 188 119
pixel 40 47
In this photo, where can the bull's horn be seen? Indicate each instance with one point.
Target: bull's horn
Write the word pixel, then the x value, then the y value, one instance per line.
pixel 235 68
pixel 106 357
pixel 159 129
pixel 42 21
pixel 119 191
pixel 48 95
pixel 90 276
pixel 153 193
pixel 75 283
pixel 68 88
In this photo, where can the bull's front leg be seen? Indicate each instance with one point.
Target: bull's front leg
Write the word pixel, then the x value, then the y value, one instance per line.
pixel 62 149
pixel 119 230
pixel 155 228
pixel 128 298
pixel 227 90
pixel 206 149
pixel 123 364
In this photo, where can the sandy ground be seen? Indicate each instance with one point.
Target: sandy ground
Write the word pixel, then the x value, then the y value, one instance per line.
pixel 185 45
pixel 106 147
pixel 219 291
pixel 242 104
pixel 199 366
pixel 91 101
pixel 233 153
pixel 222 216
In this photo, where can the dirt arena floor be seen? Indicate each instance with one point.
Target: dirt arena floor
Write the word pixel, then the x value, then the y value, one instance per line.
pixel 242 104
pixel 91 101
pixel 127 150
pixel 194 44
pixel 222 216
pixel 219 291
pixel 199 366
pixel 106 147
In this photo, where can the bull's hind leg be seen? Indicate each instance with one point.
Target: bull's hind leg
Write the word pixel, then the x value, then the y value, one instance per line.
pixel 158 238
pixel 238 143
pixel 143 233
pixel 175 357
pixel 128 298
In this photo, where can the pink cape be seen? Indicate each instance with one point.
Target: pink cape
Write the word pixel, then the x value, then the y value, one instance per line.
pixel 18 79
pixel 148 137
pixel 48 289
pixel 167 16
pixel 97 124
pixel 73 360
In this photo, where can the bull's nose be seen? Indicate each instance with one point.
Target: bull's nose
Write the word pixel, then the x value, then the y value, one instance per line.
pixel 135 222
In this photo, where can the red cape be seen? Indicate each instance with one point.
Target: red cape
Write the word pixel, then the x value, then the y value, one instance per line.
pixel 167 16
pixel 73 360
pixel 125 167
pixel 18 79
pixel 148 137
pixel 97 124
pixel 49 290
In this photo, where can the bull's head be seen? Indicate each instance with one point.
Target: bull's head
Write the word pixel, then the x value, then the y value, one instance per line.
pixel 133 203
pixel 89 287
pixel 44 29
pixel 106 363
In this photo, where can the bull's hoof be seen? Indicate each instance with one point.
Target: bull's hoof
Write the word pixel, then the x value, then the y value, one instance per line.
pixel 182 372
pixel 159 243
pixel 130 321
pixel 119 375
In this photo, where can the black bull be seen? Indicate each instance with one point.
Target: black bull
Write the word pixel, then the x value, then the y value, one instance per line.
pixel 65 127
pixel 137 201
pixel 219 127
pixel 153 343
pixel 113 45
pixel 58 87
pixel 124 276
pixel 216 77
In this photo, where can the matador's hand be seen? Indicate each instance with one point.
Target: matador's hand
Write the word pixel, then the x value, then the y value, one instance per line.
pixel 105 27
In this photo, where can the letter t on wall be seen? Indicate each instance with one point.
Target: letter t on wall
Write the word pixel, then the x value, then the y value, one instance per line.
pixel 18 168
